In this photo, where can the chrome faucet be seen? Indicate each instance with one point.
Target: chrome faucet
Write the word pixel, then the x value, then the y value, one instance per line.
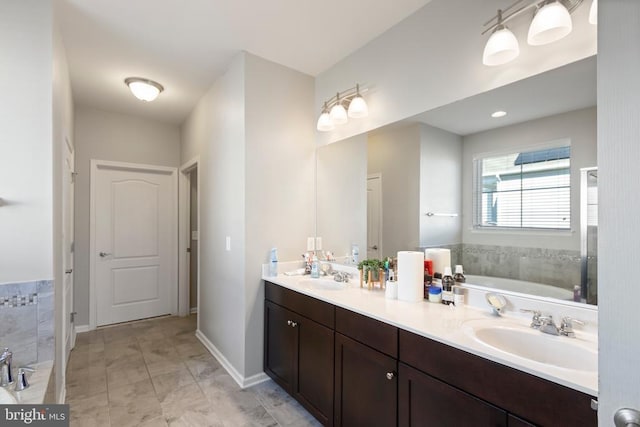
pixel 548 326
pixel 545 323
pixel 566 327
pixel 535 319
pixel 6 375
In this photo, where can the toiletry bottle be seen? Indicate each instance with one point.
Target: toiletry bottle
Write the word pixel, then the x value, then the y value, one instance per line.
pixel 459 276
pixel 273 263
pixel 355 254
pixel 447 286
pixel 315 268
pixel 458 296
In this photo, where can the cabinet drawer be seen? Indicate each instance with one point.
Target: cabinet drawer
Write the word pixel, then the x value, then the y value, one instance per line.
pixel 311 308
pixel 540 401
pixel 375 334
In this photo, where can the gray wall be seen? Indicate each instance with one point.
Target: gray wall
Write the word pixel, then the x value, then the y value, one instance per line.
pixel 342 196
pixel 619 207
pixel 26 150
pixel 111 136
pixel 256 186
pixel 440 186
pixel 578 126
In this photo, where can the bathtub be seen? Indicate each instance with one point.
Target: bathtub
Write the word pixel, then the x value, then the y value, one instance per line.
pixel 520 286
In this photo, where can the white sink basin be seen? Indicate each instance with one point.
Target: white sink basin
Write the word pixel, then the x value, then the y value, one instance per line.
pixel 6 398
pixel 324 284
pixel 568 353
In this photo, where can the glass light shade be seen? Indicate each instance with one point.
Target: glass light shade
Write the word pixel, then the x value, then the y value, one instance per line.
pixel 593 13
pixel 144 90
pixel 325 123
pixel 338 115
pixel 551 23
pixel 502 47
pixel 358 108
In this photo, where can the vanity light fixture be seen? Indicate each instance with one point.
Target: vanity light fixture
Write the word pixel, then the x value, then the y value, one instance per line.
pixel 143 89
pixel 498 114
pixel 338 109
pixel 551 22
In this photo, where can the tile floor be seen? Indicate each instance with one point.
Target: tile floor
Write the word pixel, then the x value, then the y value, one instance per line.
pixel 157 373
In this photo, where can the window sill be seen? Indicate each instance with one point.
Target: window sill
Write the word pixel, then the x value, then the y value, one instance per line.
pixel 523 232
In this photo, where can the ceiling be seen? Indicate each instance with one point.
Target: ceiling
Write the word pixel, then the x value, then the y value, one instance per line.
pixel 186 45
pixel 567 88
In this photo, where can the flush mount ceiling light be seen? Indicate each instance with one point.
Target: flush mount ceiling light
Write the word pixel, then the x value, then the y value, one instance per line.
pixel 551 22
pixel 143 89
pixel 498 114
pixel 334 111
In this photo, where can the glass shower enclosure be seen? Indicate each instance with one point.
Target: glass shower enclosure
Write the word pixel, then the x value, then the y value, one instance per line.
pixel 589 235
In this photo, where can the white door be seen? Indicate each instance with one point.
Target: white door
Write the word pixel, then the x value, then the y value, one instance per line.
pixel 135 241
pixel 67 253
pixel 374 217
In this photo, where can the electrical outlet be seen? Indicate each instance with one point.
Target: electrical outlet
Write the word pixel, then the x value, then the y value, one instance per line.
pixel 195 235
pixel 228 243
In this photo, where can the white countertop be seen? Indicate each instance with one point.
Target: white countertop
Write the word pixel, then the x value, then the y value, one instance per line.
pixel 445 324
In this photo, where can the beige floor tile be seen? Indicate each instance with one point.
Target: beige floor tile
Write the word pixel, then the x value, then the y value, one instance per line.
pixel 121 395
pixel 125 374
pixel 135 412
pixel 204 366
pixel 183 399
pixel 100 419
pixel 95 336
pixel 191 349
pixel 165 384
pixel 89 411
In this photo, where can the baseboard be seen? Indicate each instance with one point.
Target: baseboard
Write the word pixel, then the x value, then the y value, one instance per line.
pixel 194 310
pixel 237 377
pixel 82 328
pixel 63 396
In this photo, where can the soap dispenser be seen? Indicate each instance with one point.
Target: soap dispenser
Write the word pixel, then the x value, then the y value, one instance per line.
pixel 315 267
pixel 273 263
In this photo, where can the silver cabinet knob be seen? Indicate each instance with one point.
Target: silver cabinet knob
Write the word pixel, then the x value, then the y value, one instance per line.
pixel 294 324
pixel 104 254
pixel 289 322
pixel 391 375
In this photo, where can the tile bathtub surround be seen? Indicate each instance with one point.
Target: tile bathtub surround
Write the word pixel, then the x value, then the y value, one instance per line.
pixel 26 321
pixel 549 266
pixel 156 373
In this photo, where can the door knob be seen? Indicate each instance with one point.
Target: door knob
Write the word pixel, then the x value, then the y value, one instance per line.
pixel 104 254
pixel 391 375
pixel 626 417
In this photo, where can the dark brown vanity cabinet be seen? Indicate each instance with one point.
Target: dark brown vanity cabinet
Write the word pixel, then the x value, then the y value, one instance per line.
pixel 298 351
pixel 366 384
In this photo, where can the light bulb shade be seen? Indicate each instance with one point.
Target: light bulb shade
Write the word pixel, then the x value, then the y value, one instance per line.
pixel 338 114
pixel 358 108
pixel 144 89
pixel 502 47
pixel 551 23
pixel 325 123
pixel 593 13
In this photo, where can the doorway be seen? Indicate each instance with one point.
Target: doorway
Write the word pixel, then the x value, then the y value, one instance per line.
pixel 374 216
pixel 133 242
pixel 195 236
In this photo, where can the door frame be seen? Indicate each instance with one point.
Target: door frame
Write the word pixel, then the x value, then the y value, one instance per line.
pixel 108 164
pixel 184 233
pixel 378 175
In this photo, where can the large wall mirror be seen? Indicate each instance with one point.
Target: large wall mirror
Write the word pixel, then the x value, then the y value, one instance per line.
pixel 514 197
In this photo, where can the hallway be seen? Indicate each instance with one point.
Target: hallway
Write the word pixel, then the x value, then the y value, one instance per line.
pixel 156 373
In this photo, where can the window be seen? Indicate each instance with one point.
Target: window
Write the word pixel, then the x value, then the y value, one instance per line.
pixel 524 190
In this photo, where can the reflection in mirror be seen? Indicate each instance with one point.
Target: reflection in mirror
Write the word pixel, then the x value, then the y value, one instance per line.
pixel 410 185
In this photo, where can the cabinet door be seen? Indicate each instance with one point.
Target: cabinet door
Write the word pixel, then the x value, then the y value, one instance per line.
pixel 279 345
pixel 313 386
pixel 518 422
pixel 426 401
pixel 365 385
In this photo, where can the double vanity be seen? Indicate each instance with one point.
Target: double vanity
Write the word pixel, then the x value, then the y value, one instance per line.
pixel 352 357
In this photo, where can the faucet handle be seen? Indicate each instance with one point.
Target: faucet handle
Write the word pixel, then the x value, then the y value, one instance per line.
pixel 566 326
pixel 535 320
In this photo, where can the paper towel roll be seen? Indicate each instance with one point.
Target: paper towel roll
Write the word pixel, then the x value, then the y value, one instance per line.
pixel 441 258
pixel 410 276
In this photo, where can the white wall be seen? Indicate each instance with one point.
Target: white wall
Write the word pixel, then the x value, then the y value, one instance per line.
pixel 280 172
pixel 253 131
pixel 395 154
pixel 215 131
pixel 111 136
pixel 619 207
pixel 440 186
pixel 342 196
pixel 578 126
pixel 434 57
pixel 26 154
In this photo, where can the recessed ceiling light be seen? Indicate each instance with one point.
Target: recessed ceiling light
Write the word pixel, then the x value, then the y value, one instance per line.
pixel 498 114
pixel 144 89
